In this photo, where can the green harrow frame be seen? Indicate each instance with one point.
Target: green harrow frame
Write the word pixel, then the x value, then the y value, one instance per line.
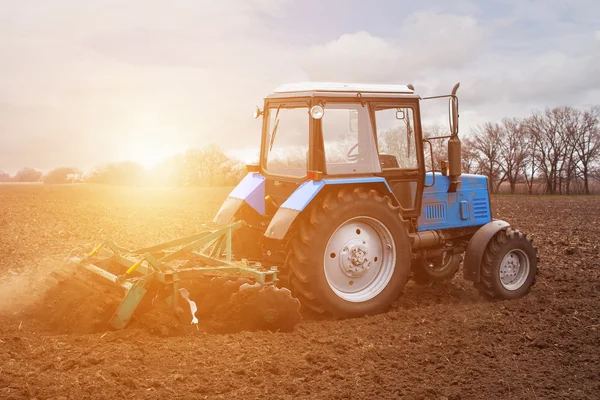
pixel 133 271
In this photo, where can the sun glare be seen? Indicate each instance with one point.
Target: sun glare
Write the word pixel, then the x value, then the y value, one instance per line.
pixel 148 141
pixel 149 155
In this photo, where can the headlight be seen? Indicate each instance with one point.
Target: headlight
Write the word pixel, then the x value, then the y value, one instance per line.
pixel 317 112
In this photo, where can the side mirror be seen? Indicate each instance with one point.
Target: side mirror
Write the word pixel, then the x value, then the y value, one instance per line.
pixel 257 112
pixel 400 114
pixel 353 121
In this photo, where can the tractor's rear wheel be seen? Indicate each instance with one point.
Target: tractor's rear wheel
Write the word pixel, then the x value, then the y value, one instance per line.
pixel 509 266
pixel 350 255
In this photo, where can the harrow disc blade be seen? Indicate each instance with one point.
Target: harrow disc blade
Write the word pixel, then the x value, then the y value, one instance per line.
pixel 217 293
pixel 259 307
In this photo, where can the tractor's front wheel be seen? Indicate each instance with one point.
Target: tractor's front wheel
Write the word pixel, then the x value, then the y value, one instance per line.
pixel 509 266
pixel 350 256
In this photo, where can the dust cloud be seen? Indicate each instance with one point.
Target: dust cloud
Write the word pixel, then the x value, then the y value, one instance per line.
pixel 20 289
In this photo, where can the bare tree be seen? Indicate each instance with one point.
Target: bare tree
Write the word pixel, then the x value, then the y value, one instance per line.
pixel 550 150
pixel 209 166
pixel 513 153
pixel 28 175
pixel 468 159
pixel 485 144
pixel 4 177
pixel 439 147
pixel 126 173
pixel 60 175
pixel 585 142
pixel 529 167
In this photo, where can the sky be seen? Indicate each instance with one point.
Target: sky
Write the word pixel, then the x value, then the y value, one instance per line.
pixel 85 83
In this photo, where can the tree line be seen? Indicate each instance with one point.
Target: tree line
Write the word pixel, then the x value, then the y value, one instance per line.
pixel 208 166
pixel 555 151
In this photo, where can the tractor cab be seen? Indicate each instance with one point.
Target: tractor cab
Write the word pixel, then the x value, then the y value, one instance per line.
pixel 340 131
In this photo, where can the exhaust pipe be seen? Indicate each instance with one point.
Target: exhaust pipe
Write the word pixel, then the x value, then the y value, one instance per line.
pixel 454 146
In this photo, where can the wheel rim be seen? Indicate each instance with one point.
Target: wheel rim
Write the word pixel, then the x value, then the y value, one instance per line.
pixel 514 269
pixel 359 259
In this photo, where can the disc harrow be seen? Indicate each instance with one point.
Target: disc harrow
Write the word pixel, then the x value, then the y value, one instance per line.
pixel 196 276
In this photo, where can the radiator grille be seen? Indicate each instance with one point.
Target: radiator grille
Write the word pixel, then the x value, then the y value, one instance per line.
pixel 434 212
pixel 480 208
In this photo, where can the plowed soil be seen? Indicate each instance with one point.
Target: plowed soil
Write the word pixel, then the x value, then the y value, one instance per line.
pixel 436 342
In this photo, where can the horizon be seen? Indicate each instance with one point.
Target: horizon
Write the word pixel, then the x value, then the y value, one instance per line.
pixel 243 156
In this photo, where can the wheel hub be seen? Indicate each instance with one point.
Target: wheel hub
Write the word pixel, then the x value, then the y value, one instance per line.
pixel 359 259
pixel 514 269
pixel 353 260
pixel 510 268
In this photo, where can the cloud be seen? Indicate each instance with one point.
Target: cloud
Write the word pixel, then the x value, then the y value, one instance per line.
pixel 443 40
pixel 427 41
pixel 352 57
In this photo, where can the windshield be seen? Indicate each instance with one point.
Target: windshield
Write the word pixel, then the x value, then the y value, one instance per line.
pixel 348 140
pixel 286 141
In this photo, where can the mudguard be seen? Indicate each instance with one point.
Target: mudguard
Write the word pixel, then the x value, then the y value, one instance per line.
pixel 476 248
pixel 251 190
pixel 301 198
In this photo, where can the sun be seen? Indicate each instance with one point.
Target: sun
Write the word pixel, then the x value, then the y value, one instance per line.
pixel 149 155
pixel 149 141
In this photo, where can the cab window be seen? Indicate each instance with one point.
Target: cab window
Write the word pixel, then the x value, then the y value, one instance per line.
pixel 348 140
pixel 396 138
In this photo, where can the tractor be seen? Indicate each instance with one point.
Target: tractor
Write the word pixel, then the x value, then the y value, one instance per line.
pixel 342 208
pixel 343 203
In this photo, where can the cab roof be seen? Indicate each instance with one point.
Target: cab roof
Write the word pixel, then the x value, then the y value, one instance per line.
pixel 342 90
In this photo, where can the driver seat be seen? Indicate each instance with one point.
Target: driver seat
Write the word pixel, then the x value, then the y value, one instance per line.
pixel 388 161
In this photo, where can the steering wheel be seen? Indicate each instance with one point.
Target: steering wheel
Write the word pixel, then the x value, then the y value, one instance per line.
pixel 353 157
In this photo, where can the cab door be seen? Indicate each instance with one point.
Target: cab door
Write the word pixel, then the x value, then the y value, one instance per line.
pixel 399 144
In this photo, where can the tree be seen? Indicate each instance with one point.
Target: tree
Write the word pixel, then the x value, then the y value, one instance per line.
pixel 468 158
pixel 4 177
pixel 439 147
pixel 28 175
pixel 529 167
pixel 484 144
pixel 585 141
pixel 60 175
pixel 550 150
pixel 513 151
pixel 231 172
pixel 126 173
pixel 203 165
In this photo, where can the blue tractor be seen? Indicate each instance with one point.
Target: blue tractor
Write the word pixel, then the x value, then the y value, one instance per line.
pixel 345 206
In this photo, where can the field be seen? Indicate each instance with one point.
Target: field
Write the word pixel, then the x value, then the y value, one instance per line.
pixel 437 342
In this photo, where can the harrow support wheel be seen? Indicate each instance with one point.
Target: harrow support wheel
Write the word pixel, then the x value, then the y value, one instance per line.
pixel 440 269
pixel 350 255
